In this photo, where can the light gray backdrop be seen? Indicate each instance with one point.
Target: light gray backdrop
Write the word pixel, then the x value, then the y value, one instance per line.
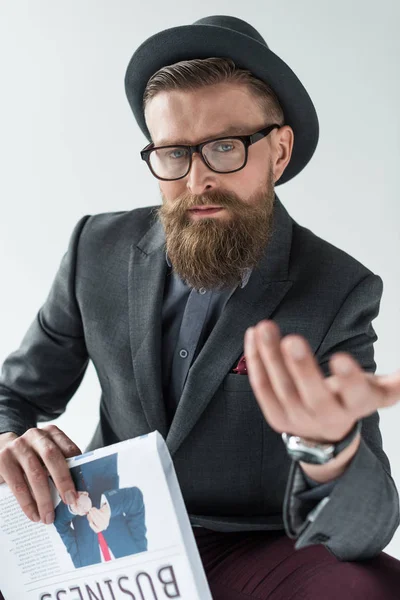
pixel 69 145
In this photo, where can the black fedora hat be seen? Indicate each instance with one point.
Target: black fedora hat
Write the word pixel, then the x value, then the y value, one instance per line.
pixel 228 37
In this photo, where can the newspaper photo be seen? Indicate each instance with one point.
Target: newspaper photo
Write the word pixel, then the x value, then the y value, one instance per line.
pixel 127 536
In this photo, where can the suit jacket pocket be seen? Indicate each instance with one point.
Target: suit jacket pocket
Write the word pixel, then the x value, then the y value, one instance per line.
pixel 234 382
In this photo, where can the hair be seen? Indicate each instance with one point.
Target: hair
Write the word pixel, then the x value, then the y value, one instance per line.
pixel 200 72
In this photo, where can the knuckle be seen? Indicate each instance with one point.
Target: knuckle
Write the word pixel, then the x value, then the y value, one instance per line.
pixel 72 448
pixel 19 487
pixel 19 445
pixel 37 474
pixel 5 455
pixel 30 433
pixel 51 428
pixel 49 451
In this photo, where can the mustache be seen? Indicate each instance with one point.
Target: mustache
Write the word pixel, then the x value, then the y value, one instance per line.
pixel 186 201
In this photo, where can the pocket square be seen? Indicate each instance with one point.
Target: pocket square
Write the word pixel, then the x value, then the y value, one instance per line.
pixel 241 368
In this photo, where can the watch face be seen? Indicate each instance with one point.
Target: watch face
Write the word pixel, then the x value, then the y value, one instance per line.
pixel 316 454
pixel 312 457
pixel 309 444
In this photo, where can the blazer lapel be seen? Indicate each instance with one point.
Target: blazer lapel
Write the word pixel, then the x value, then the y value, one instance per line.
pixel 147 270
pixel 266 288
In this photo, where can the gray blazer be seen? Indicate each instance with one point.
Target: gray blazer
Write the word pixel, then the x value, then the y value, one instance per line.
pixel 105 305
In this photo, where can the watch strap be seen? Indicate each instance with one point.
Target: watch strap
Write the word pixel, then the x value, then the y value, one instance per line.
pixel 342 445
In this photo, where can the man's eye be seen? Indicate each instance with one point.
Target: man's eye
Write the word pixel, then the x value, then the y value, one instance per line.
pixel 179 153
pixel 224 147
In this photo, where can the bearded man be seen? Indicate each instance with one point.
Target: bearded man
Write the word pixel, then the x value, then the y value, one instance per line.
pixel 240 335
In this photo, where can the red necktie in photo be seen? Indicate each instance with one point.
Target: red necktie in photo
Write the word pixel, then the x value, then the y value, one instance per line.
pixel 102 542
pixel 104 547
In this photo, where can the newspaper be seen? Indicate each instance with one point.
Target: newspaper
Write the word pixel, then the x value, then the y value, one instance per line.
pixel 128 537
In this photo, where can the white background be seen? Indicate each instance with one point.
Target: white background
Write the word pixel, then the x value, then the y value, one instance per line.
pixel 69 145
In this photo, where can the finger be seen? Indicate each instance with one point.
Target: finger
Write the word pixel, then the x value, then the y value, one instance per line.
pixel 55 462
pixel 360 394
pixel 94 515
pixel 5 438
pixel 94 518
pixel 269 346
pixel 315 395
pixel 390 385
pixel 66 445
pixel 259 380
pixel 36 477
pixel 14 477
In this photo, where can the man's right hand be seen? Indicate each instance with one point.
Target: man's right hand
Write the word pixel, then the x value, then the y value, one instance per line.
pixel 26 461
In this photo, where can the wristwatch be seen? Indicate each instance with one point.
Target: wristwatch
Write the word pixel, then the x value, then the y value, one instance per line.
pixel 314 453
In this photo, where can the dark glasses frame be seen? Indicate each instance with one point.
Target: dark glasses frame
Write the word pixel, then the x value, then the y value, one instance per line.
pixel 247 140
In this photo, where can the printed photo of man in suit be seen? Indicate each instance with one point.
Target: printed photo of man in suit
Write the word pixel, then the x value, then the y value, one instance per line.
pixel 217 319
pixel 105 521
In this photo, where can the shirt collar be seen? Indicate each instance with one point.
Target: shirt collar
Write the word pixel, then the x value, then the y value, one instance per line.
pixel 245 277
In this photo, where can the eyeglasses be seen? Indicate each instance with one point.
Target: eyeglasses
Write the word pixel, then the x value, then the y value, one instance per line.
pixel 221 155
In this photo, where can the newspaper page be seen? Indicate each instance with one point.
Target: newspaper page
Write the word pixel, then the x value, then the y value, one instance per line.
pixel 127 537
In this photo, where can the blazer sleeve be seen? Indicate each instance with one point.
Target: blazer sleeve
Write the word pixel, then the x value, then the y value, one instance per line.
pixel 129 503
pixel 360 515
pixel 41 376
pixel 316 490
pixel 62 523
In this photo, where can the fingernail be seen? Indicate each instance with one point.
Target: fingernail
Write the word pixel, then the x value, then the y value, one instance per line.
pixel 70 497
pixel 35 517
pixel 297 349
pixel 49 518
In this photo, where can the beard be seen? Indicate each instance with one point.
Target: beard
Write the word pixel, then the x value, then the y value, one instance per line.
pixel 214 253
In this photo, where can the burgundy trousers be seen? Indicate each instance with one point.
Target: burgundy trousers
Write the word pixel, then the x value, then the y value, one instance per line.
pixel 265 566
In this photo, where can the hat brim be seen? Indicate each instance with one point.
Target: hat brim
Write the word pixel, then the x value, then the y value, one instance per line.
pixel 187 42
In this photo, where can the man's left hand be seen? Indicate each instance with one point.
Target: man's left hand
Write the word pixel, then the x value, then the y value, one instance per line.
pixel 296 397
pixel 99 518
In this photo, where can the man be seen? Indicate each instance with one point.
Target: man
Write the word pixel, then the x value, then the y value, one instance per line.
pixel 167 301
pixel 105 521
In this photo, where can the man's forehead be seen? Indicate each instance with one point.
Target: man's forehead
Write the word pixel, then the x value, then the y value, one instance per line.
pixel 181 117
pixel 235 128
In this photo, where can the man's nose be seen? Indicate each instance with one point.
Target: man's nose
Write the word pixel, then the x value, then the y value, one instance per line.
pixel 200 178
